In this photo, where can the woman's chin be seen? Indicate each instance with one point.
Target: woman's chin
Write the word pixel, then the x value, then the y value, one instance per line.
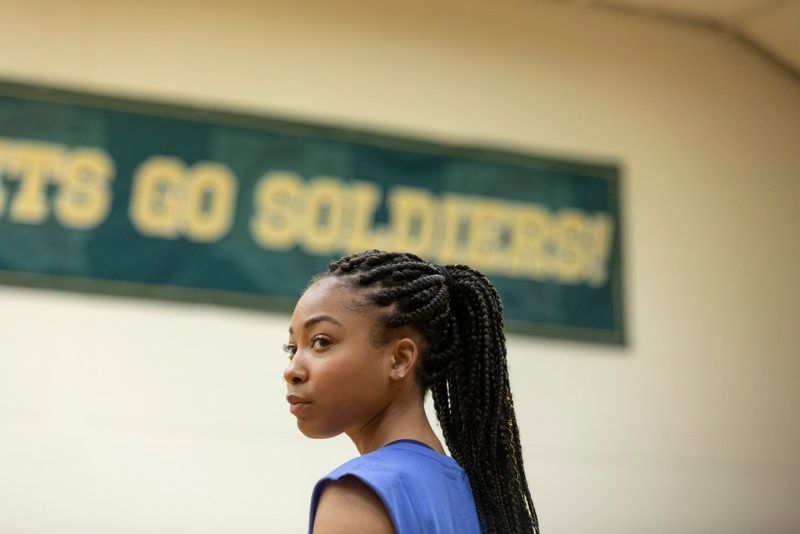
pixel 311 431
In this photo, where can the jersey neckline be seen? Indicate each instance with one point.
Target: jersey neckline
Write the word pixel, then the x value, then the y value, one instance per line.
pixel 414 441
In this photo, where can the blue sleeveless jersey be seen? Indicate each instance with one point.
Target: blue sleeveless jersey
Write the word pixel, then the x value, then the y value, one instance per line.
pixel 424 492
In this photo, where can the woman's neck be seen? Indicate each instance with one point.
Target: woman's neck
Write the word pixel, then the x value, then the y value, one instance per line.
pixel 400 420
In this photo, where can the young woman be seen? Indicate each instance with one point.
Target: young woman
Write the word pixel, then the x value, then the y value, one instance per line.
pixel 367 340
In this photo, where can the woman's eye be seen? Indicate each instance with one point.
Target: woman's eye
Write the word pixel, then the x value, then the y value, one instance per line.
pixel 320 342
pixel 290 349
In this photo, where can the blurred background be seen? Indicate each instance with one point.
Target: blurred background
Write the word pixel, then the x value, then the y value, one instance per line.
pixel 138 416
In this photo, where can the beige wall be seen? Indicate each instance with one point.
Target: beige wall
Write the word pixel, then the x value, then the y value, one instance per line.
pixel 132 417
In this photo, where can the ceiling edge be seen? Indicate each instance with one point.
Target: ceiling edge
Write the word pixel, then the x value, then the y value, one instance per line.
pixel 697 21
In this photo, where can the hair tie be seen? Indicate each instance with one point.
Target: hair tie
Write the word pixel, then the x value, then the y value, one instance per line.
pixel 448 280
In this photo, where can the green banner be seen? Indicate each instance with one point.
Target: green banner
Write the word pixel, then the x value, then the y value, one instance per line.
pixel 147 199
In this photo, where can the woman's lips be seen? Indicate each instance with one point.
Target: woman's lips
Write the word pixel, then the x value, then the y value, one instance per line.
pixel 297 403
pixel 298 407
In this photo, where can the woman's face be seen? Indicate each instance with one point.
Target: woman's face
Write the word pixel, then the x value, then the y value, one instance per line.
pixel 337 379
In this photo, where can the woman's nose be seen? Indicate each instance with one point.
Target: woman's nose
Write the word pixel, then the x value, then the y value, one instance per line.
pixel 295 373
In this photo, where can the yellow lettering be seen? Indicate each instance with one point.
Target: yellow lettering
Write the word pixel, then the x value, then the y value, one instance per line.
pixel 574 246
pixel 454 210
pixel 413 218
pixel 529 258
pixel 324 210
pixel 276 207
pixel 84 199
pixel 33 164
pixel 602 228
pixel 155 208
pixel 210 196
pixel 490 227
pixel 364 197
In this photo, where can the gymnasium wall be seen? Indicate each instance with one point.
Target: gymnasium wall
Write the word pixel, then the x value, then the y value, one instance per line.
pixel 132 416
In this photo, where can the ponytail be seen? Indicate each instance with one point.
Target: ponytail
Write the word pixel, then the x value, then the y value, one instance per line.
pixel 460 317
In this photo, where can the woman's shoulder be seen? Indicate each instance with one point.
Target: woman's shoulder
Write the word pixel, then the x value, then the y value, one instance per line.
pixel 348 505
pixel 354 491
pixel 417 486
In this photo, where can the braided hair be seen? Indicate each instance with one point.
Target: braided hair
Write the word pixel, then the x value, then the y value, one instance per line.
pixel 459 316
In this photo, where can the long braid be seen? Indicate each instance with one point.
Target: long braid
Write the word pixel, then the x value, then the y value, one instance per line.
pixel 459 315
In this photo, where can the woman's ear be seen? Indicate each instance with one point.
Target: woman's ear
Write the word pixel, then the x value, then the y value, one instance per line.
pixel 404 358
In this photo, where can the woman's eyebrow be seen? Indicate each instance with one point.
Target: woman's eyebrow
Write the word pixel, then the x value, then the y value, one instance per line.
pixel 317 319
